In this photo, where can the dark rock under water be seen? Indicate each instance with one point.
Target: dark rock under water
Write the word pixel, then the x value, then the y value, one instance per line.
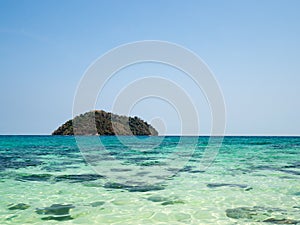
pixel 96 204
pixel 77 178
pixel 172 202
pixel 59 212
pixel 130 188
pixel 216 185
pixel 157 199
pixel 19 206
pixel 260 214
pixel 33 177
pixel 71 178
pixel 281 221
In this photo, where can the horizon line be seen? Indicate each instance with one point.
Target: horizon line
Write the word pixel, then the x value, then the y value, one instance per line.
pixel 176 135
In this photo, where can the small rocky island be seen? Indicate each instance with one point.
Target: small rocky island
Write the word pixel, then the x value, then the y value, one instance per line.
pixel 99 122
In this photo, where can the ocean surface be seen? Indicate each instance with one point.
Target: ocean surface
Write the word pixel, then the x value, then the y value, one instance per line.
pixel 46 180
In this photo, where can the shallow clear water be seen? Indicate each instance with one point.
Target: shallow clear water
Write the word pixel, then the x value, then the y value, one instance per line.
pixel 45 180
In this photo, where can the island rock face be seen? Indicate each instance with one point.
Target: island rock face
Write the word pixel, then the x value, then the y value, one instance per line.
pixel 99 122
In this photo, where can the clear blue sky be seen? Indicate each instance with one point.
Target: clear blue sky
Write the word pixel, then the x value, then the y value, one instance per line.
pixel 253 48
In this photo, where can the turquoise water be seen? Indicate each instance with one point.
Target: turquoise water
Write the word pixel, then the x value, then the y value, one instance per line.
pixel 45 180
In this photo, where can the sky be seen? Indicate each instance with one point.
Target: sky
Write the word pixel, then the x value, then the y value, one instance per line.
pixel 252 48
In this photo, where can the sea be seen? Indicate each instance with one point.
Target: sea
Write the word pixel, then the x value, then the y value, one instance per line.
pixel 149 180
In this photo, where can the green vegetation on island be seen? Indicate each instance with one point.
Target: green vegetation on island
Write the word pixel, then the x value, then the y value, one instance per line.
pixel 99 122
